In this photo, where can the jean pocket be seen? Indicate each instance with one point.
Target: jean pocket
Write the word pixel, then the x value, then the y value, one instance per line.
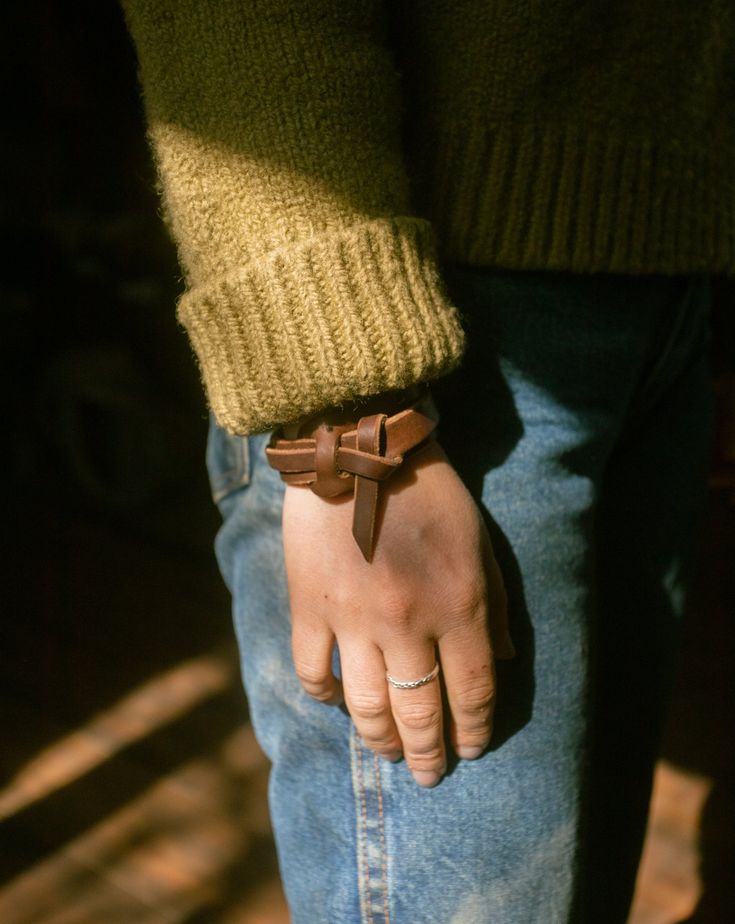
pixel 228 461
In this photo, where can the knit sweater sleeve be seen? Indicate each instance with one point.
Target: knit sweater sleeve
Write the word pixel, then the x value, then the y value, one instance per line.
pixel 275 127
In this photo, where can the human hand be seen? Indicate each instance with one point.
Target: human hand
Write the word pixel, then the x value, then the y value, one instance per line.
pixel 433 582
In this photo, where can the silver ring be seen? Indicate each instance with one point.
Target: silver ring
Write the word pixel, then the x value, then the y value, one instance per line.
pixel 412 684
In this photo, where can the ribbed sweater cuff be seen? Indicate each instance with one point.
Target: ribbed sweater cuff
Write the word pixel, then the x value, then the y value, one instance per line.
pixel 330 319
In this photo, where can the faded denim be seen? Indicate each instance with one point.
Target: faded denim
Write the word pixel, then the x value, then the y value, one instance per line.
pixel 580 421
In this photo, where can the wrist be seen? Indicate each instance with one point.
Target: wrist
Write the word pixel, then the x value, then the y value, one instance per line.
pixel 358 448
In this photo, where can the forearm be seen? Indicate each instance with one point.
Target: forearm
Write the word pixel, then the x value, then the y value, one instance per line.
pixel 276 131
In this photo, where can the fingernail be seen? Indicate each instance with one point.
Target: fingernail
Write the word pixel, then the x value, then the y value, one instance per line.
pixel 427 778
pixel 469 753
pixel 393 756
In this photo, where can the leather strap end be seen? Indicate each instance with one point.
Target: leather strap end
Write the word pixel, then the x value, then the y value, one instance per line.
pixel 370 439
pixel 363 518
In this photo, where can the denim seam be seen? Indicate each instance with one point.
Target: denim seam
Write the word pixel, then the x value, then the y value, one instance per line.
pixel 371 854
pixel 236 475
pixel 361 843
pixel 383 853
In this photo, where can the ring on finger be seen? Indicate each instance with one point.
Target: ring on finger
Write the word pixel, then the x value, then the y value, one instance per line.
pixel 412 684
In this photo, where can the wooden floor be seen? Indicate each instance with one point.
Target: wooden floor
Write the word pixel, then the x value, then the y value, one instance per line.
pixel 131 786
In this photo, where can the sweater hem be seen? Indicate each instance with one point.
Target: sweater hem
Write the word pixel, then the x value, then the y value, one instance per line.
pixel 535 196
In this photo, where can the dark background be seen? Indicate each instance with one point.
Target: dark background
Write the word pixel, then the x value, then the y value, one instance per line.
pixel 107 513
pixel 109 575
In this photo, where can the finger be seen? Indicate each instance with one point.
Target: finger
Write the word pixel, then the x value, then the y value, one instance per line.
pixel 418 714
pixel 366 696
pixel 312 644
pixel 469 679
pixel 497 602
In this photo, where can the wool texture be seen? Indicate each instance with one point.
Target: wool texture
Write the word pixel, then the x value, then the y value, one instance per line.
pixel 319 161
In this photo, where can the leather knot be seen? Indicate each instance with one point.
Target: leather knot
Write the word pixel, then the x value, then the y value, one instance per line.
pixel 334 458
pixel 330 479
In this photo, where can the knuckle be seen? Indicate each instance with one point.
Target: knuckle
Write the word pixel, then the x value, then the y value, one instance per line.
pixel 474 597
pixel 428 757
pixel 467 599
pixel 382 743
pixel 368 707
pixel 476 700
pixel 310 673
pixel 420 717
pixel 314 681
pixel 321 695
pixel 398 611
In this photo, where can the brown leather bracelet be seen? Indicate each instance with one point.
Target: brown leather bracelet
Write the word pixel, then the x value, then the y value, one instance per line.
pixel 335 457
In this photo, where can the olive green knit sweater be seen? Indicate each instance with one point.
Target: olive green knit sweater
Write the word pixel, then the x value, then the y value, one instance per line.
pixel 319 160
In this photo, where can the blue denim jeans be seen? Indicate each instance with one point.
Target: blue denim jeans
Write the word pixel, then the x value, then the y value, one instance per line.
pixel 580 421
